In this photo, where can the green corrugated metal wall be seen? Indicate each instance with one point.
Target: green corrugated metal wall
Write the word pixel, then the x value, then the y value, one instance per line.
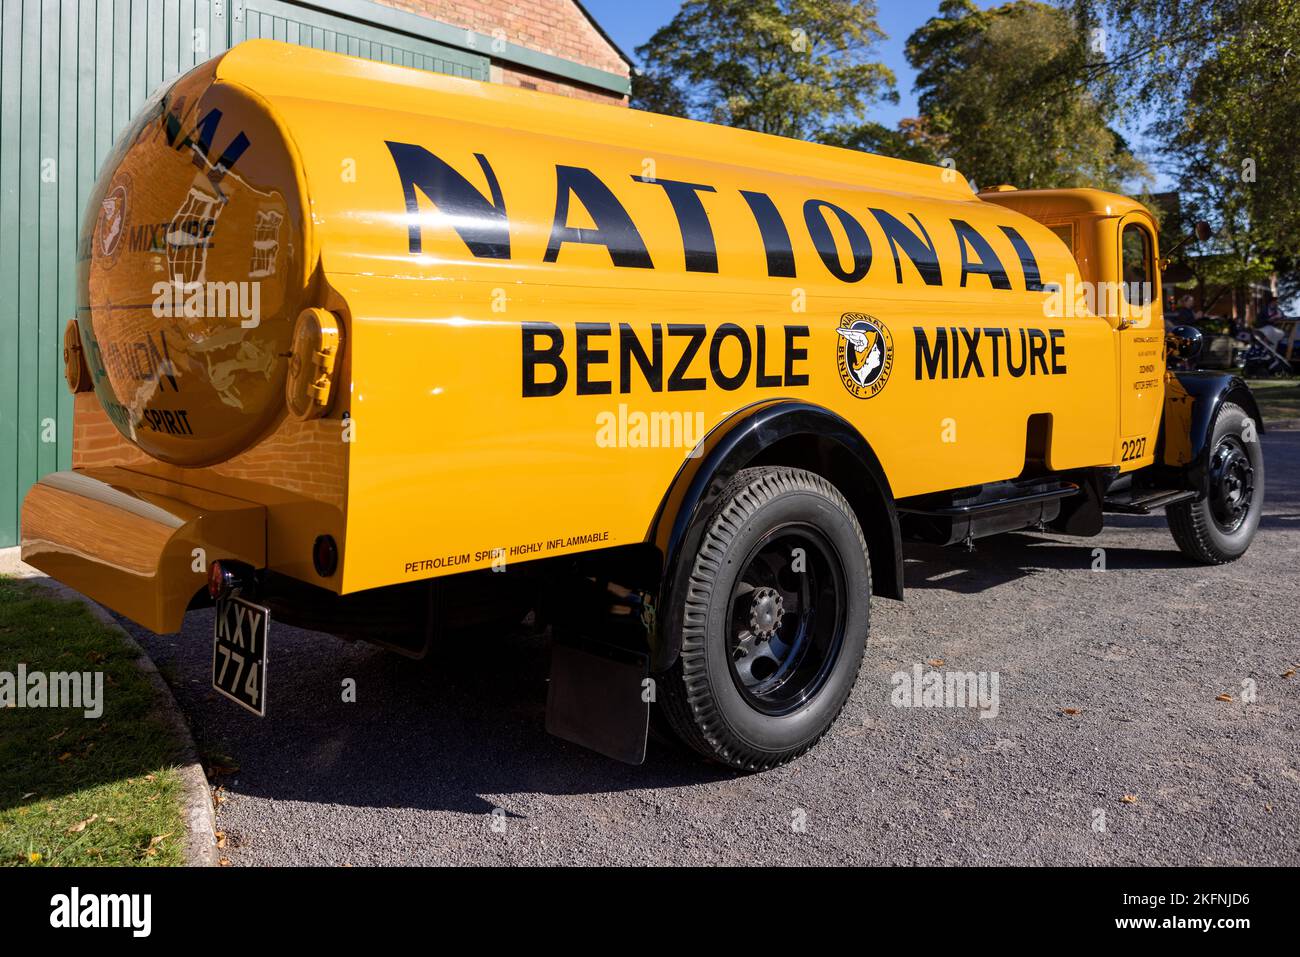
pixel 72 73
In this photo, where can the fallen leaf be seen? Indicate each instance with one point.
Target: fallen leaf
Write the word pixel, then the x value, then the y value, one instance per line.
pixel 81 825
pixel 936 662
pixel 1289 673
pixel 1224 697
pixel 55 737
pixel 1129 799
pixel 29 794
pixel 221 839
pixel 1069 711
pixel 148 777
pixel 65 755
pixel 224 862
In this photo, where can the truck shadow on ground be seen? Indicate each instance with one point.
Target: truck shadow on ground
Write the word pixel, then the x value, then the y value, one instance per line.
pixel 462 730
pixel 1007 558
pixel 1003 559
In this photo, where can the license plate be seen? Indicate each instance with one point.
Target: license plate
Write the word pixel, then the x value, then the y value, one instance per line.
pixel 239 653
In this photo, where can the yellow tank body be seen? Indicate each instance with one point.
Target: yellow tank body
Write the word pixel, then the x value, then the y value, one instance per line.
pixel 542 307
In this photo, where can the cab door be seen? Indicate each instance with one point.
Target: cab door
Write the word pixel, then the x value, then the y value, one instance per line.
pixel 1139 341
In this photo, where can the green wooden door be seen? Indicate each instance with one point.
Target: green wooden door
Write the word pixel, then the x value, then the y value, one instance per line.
pixel 72 73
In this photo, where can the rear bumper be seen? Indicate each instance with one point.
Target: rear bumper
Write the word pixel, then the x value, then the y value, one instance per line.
pixel 128 540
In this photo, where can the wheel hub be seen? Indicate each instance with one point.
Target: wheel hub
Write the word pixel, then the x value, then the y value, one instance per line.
pixel 765 613
pixel 1232 485
pixel 786 620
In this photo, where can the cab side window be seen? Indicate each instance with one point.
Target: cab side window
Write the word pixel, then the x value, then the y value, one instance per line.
pixel 1065 233
pixel 1136 250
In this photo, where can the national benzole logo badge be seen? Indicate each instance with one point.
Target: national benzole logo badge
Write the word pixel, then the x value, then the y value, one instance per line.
pixel 112 223
pixel 866 354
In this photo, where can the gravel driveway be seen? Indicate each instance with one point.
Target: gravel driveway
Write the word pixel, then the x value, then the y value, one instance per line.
pixel 1109 745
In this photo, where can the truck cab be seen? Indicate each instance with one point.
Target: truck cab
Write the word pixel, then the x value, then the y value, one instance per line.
pixel 1185 441
pixel 1114 241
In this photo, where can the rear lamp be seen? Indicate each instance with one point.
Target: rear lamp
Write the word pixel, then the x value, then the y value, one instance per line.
pixel 325 556
pixel 221 580
pixel 227 577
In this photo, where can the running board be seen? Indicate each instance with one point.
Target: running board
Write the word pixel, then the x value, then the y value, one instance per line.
pixel 1147 501
pixel 964 515
pixel 1064 490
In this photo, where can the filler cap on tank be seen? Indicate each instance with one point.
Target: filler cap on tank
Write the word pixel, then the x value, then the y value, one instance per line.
pixel 74 360
pixel 309 388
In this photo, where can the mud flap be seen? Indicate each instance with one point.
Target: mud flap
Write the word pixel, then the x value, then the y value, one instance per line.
pixel 598 699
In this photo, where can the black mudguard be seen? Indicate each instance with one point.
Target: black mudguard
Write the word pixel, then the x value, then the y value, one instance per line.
pixel 745 439
pixel 1192 402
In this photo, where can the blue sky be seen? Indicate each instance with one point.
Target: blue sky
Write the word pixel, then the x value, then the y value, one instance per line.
pixel 630 24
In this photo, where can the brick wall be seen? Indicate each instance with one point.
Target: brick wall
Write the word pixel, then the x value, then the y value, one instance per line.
pixel 530 80
pixel 556 27
pixel 302 458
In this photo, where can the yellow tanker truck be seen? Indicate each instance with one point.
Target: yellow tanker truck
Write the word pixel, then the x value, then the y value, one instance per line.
pixel 393 355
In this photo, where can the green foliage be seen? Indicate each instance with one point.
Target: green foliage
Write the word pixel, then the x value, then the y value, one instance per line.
pixel 1030 93
pixel 909 142
pixel 1006 94
pixel 799 68
pixel 1222 80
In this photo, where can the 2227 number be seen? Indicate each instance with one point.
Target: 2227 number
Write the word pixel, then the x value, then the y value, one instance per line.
pixel 1131 449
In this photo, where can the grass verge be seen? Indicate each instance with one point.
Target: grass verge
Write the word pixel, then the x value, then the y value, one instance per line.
pixel 78 791
pixel 1279 400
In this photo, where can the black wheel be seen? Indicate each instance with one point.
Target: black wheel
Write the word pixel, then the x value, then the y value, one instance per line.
pixel 1220 527
pixel 775 621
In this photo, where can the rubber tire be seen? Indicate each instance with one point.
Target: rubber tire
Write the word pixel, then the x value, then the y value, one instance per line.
pixel 1192 523
pixel 698 695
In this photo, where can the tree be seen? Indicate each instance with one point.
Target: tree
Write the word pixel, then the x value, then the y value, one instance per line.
pixel 1005 93
pixel 911 141
pixel 1221 80
pixel 799 68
